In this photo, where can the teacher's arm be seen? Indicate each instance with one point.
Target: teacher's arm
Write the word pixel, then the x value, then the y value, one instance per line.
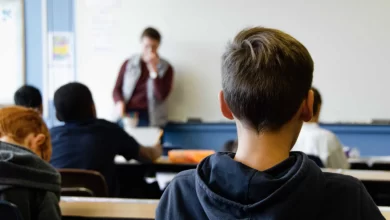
pixel 163 85
pixel 118 93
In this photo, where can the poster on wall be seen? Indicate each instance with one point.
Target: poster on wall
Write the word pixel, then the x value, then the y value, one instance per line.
pixel 61 49
pixel 60 60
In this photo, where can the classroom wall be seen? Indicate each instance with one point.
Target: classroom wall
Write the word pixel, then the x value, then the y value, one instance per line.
pixel 348 41
pixel 41 18
pixel 370 140
pixel 33 42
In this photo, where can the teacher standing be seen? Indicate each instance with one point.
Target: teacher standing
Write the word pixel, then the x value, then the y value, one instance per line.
pixel 144 83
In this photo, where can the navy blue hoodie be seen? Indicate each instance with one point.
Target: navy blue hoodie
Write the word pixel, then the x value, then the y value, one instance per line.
pixel 221 188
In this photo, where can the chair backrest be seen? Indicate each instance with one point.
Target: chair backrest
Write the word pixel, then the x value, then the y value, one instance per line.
pixel 316 160
pixel 379 191
pixel 360 166
pixel 380 166
pixel 77 182
pixel 9 211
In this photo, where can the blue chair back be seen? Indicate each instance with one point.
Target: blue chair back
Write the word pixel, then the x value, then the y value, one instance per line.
pixel 9 211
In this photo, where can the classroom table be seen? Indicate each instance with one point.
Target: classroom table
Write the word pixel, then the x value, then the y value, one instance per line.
pixel 370 163
pixel 161 165
pixel 364 175
pixel 134 181
pixel 385 211
pixel 138 180
pixel 103 208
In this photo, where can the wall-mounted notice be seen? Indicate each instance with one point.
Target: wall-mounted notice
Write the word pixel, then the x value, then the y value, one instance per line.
pixel 61 60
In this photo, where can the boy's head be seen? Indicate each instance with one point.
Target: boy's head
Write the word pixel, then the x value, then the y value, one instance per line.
pixel 266 80
pixel 25 127
pixel 317 105
pixel 74 102
pixel 29 97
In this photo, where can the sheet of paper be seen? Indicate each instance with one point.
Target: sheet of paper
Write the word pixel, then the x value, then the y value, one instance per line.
pixel 148 136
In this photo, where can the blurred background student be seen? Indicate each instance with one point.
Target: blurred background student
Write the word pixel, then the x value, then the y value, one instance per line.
pixel 86 142
pixel 26 179
pixel 144 82
pixel 29 97
pixel 316 141
pixel 230 146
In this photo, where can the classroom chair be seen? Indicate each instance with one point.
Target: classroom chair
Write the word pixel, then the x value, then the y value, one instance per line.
pixel 9 211
pixel 360 166
pixel 77 182
pixel 379 191
pixel 380 166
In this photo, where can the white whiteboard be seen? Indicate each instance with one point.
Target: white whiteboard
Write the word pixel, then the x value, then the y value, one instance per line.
pixel 348 40
pixel 11 49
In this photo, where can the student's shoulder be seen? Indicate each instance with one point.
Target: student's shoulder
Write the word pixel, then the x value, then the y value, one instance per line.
pixel 328 136
pixel 185 179
pixel 57 129
pixel 338 183
pixel 107 124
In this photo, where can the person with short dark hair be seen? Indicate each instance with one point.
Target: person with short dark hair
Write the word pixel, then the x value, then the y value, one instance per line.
pixel 266 89
pixel 144 83
pixel 85 142
pixel 319 142
pixel 29 97
pixel 230 146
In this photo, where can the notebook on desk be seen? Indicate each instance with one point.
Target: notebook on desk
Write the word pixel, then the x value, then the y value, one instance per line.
pixel 147 136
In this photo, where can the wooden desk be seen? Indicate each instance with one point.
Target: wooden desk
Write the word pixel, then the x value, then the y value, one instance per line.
pixel 108 208
pixel 131 176
pixel 385 211
pixel 363 175
pixel 161 165
pixel 122 208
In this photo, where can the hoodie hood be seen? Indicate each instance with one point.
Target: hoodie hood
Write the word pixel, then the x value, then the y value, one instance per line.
pixel 21 167
pixel 233 190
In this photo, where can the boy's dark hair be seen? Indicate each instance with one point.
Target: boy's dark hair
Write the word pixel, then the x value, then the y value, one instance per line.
pixel 28 96
pixel 151 33
pixel 73 102
pixel 230 146
pixel 317 101
pixel 266 74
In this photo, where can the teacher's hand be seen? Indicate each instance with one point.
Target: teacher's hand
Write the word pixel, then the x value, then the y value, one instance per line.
pixel 152 62
pixel 121 108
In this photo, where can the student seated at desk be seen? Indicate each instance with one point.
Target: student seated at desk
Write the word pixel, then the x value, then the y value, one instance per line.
pixel 316 141
pixel 26 179
pixel 266 81
pixel 85 142
pixel 29 97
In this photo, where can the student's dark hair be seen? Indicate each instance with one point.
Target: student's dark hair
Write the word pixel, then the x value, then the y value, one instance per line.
pixel 317 101
pixel 74 102
pixel 28 96
pixel 266 74
pixel 230 146
pixel 151 33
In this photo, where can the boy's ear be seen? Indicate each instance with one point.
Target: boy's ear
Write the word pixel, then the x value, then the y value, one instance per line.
pixel 34 143
pixel 307 108
pixel 224 107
